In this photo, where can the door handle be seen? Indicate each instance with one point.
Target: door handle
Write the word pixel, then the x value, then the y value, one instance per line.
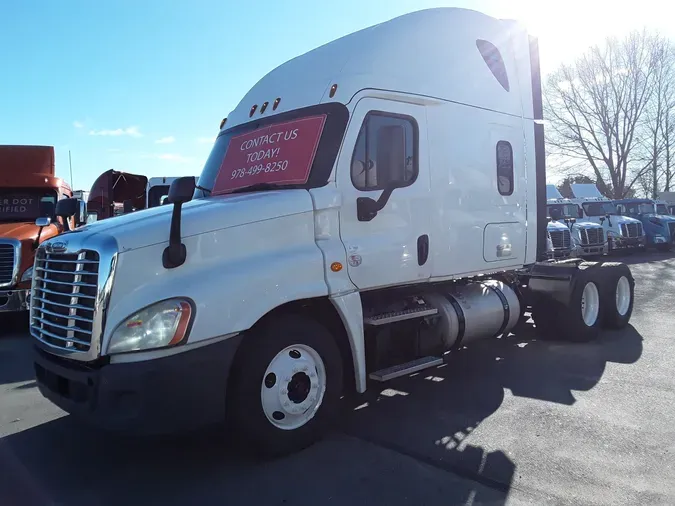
pixel 422 249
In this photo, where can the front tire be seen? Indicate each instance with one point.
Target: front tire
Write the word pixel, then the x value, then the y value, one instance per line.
pixel 619 295
pixel 285 385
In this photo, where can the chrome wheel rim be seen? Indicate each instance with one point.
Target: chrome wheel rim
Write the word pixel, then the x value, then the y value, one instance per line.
pixel 590 304
pixel 293 387
pixel 622 296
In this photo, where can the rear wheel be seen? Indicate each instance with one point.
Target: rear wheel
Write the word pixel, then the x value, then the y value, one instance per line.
pixel 618 297
pixel 285 385
pixel 578 321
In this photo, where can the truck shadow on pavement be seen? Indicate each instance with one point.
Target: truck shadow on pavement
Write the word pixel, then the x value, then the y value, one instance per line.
pixel 404 442
pixel 432 415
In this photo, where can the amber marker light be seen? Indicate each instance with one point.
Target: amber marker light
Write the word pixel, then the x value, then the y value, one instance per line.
pixel 336 267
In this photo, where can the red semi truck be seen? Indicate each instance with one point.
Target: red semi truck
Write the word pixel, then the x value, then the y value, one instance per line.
pixel 29 191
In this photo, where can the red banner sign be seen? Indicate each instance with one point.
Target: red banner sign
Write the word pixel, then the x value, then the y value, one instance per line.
pixel 279 154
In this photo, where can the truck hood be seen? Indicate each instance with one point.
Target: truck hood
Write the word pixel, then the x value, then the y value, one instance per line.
pixel 556 225
pixel 21 231
pixel 662 217
pixel 586 225
pixel 151 226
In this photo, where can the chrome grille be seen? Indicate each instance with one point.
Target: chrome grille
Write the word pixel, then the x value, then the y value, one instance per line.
pixel 631 229
pixel 7 259
pixel 64 299
pixel 592 236
pixel 560 238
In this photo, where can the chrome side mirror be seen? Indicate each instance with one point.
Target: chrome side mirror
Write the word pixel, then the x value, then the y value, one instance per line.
pixel 44 221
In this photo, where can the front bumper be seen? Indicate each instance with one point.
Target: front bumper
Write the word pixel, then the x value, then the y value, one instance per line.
pixel 560 253
pixel 628 242
pixel 171 394
pixel 14 300
pixel 590 249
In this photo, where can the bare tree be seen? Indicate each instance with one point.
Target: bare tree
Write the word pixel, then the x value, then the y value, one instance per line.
pixel 657 116
pixel 596 111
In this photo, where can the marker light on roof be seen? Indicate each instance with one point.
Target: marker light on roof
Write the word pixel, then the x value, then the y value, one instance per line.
pixel 250 114
pixel 333 89
pixel 264 106
pixel 222 123
pixel 276 103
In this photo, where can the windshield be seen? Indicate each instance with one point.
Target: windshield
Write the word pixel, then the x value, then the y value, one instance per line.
pixel 662 209
pixel 25 205
pixel 564 210
pixel 599 208
pixel 639 208
pixel 294 149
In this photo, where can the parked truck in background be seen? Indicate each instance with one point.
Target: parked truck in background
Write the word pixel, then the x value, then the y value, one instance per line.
pixel 587 237
pixel 622 232
pixel 666 203
pixel 114 193
pixel 659 228
pixel 357 219
pixel 29 190
pixel 560 238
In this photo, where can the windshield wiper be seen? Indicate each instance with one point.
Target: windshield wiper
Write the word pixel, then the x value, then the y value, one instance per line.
pixel 262 187
pixel 203 189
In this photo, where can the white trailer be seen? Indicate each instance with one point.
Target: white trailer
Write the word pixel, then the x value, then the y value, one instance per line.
pixel 367 209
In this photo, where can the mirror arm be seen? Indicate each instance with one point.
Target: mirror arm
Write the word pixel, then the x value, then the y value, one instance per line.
pixel 368 208
pixel 175 253
pixel 36 242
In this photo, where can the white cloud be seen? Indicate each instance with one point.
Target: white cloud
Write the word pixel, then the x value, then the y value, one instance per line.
pixel 206 140
pixel 78 124
pixel 166 140
pixel 132 131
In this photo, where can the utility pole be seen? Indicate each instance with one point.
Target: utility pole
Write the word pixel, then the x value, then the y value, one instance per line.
pixel 70 162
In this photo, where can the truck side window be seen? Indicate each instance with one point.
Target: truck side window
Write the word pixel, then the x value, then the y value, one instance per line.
pixel 504 168
pixel 494 61
pixel 385 152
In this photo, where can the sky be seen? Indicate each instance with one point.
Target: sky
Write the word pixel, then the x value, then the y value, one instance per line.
pixel 142 85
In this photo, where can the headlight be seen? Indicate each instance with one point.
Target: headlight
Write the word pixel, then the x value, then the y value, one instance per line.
pixel 160 325
pixel 27 275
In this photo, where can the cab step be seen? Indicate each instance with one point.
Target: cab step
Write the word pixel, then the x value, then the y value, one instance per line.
pixel 397 316
pixel 396 371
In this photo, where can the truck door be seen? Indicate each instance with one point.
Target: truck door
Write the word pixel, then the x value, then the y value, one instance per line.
pixel 383 176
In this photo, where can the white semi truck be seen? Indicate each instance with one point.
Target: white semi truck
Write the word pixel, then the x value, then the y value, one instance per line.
pixel 622 232
pixel 368 208
pixel 587 237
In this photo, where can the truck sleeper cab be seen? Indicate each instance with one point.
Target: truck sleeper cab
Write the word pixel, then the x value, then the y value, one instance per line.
pixel 659 228
pixel 356 220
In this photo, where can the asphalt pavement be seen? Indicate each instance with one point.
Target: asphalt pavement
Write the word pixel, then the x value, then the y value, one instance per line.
pixel 509 421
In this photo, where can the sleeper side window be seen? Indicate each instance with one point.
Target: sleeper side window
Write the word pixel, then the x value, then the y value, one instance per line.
pixel 385 153
pixel 504 168
pixel 494 61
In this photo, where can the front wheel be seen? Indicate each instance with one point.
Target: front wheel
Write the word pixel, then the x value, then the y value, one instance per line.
pixel 285 386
